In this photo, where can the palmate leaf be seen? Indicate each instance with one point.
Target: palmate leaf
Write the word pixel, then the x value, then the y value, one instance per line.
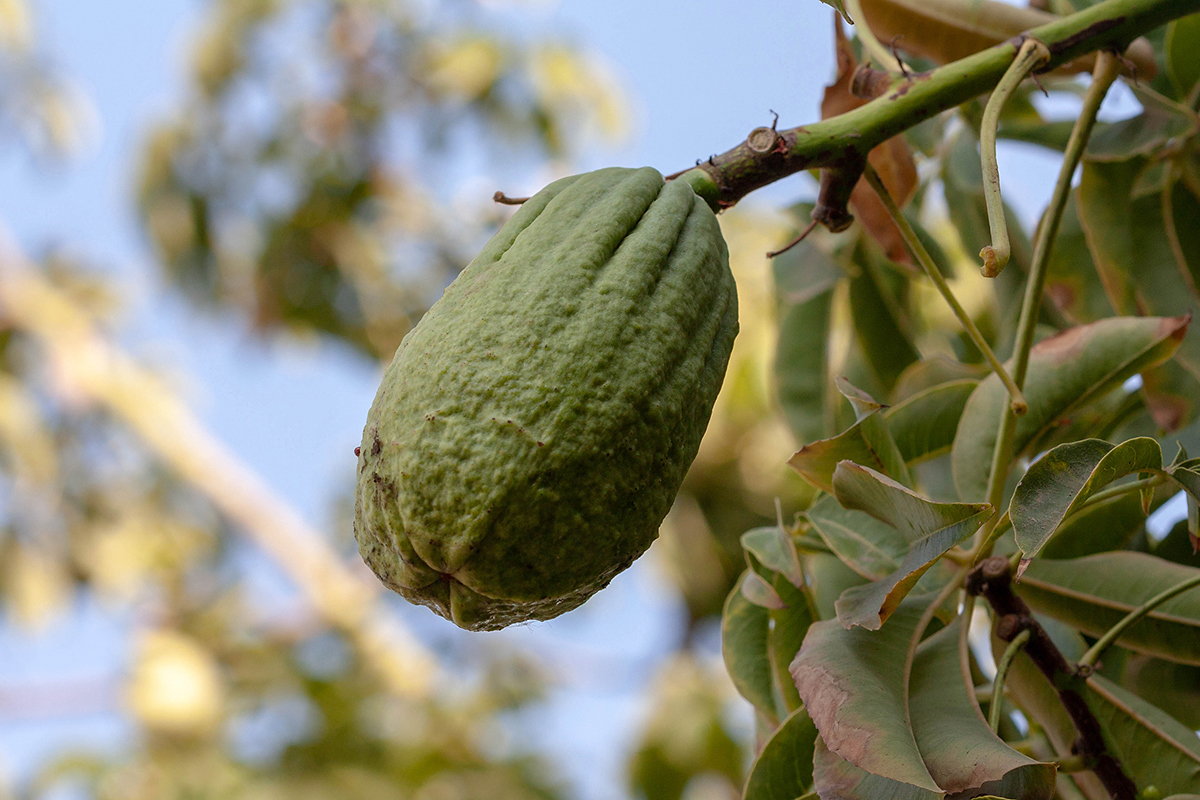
pixel 1093 593
pixel 929 529
pixel 1060 482
pixel 1066 372
pixel 783 769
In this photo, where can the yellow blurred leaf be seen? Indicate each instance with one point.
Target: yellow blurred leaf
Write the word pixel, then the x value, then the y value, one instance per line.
pixel 38 586
pixel 23 434
pixel 466 68
pixel 564 78
pixel 175 687
pixel 16 25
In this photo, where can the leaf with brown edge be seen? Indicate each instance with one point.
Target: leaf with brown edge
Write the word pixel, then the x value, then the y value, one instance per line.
pixel 958 747
pixel 853 683
pixel 929 528
pixel 866 442
pixel 871 548
pixel 1066 372
pixel 835 778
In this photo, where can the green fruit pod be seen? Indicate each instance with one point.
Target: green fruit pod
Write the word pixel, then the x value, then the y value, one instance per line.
pixel 534 427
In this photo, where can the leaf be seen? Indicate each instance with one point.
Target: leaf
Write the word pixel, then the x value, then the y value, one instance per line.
pixel 853 685
pixel 1153 748
pixel 866 442
pixel 783 770
pixel 1182 52
pixel 759 591
pixel 837 6
pixel 774 550
pixel 1060 482
pixel 1098 528
pixel 828 577
pixel 836 778
pixel 1093 594
pixel 1147 133
pixel 1072 282
pixel 880 323
pixel 958 747
pixel 801 366
pixel 923 426
pixel 1175 688
pixel 930 528
pixel 871 548
pixel 803 272
pixel 1066 372
pixel 788 628
pixel 863 404
pixel 948 30
pixel 744 632
pixel 863 489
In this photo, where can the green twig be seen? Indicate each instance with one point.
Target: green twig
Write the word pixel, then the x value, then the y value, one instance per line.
pixel 845 139
pixel 1093 655
pixel 870 44
pixel 1102 78
pixel 1032 55
pixel 1006 660
pixel 926 261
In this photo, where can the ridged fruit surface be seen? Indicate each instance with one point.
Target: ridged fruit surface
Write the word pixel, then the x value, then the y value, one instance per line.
pixel 533 429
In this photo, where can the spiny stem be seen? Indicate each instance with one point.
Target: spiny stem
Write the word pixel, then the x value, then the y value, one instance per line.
pixel 872 45
pixel 1031 55
pixel 1102 78
pixel 1006 660
pixel 923 258
pixel 1093 655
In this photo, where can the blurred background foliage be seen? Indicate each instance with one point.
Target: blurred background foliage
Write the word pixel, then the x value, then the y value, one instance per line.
pixel 306 185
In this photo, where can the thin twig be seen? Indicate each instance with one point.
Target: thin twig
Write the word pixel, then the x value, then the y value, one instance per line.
pixel 927 263
pixel 1093 654
pixel 1031 55
pixel 793 242
pixel 505 200
pixel 872 45
pixel 1102 78
pixel 997 701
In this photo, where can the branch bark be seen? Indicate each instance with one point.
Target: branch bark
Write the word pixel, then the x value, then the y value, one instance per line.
pixel 840 144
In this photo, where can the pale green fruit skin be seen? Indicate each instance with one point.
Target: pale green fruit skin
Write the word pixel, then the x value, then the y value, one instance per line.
pixel 533 429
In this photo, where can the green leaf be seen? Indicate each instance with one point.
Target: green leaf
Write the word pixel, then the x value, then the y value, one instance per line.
pixel 871 548
pixel 759 591
pixel 837 6
pixel 788 628
pixel 1107 525
pixel 1060 482
pixel 744 646
pixel 1147 133
pixel 1072 282
pixel 835 777
pixel 774 550
pixel 1066 372
pixel 880 323
pixel 783 770
pixel 853 685
pixel 828 577
pixel 917 519
pixel 1093 594
pixel 1175 688
pixel 958 747
pixel 1153 748
pixel 801 367
pixel 1182 52
pixel 803 273
pixel 862 488
pixel 866 442
pixel 923 426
